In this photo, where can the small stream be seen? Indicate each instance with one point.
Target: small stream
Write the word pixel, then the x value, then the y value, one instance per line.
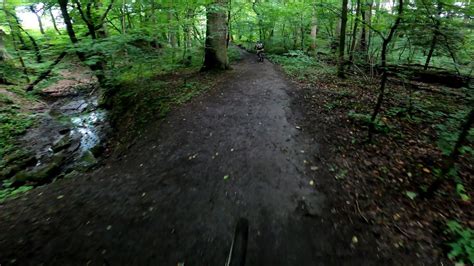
pixel 89 126
pixel 68 137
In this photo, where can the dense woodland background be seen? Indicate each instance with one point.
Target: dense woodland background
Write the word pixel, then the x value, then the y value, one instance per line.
pixel 410 63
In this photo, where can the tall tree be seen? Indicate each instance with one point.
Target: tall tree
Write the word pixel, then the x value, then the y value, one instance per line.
pixel 383 66
pixel 38 17
pixel 3 51
pixel 342 39
pixel 354 32
pixel 98 66
pixel 436 33
pixel 314 28
pixel 215 53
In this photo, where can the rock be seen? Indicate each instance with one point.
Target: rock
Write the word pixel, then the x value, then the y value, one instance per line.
pixel 16 162
pixel 19 155
pixel 64 130
pixel 41 174
pixel 72 174
pixel 86 162
pixel 97 150
pixel 79 105
pixel 62 143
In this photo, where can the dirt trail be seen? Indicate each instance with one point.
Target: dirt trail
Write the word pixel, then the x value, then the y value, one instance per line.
pixel 166 200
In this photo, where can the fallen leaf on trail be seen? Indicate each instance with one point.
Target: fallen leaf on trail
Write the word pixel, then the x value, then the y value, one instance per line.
pixel 226 177
pixel 426 170
pixel 60 196
pixel 355 240
pixel 412 195
pixel 396 216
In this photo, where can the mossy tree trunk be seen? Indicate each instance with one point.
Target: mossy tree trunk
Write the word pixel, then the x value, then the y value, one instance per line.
pixel 216 36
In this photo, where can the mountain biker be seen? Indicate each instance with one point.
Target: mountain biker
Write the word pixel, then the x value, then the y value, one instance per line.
pixel 259 47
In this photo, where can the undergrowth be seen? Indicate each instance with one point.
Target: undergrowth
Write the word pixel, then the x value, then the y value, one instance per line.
pixel 462 245
pixel 13 122
pixel 303 67
pixel 416 132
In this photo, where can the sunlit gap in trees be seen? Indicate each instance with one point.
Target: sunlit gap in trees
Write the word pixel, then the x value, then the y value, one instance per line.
pixel 29 21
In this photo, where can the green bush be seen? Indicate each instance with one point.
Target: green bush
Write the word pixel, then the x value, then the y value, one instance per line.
pixel 462 248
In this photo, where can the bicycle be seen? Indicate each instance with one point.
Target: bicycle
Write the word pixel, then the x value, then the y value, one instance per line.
pixel 238 247
pixel 261 56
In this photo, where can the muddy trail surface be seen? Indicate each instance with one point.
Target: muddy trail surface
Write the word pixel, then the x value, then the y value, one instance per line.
pixel 175 195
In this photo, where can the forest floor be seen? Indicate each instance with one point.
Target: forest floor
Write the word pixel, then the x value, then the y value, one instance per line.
pixel 242 149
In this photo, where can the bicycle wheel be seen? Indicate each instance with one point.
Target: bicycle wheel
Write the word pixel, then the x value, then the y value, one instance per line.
pixel 238 248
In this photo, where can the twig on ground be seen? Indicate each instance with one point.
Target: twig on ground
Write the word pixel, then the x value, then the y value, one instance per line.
pixel 359 211
pixel 401 231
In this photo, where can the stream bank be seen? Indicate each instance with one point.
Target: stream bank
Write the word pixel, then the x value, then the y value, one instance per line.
pixel 67 138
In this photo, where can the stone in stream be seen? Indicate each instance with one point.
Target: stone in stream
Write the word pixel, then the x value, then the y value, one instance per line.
pixel 78 105
pixel 62 143
pixel 86 162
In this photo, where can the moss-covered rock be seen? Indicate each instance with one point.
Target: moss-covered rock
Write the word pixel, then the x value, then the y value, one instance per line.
pixel 86 162
pixel 62 143
pixel 15 162
pixel 41 174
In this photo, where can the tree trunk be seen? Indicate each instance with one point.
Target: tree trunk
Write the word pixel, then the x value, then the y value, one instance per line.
pixel 430 53
pixel 261 33
pixel 363 34
pixel 342 39
pixel 171 29
pixel 20 29
pixel 216 46
pixel 46 73
pixel 53 19
pixel 354 32
pixel 434 39
pixel 453 156
pixel 3 51
pixel 314 30
pixel 40 23
pixel 383 64
pixel 123 18
pixel 35 46
pixel 15 47
pixel 97 67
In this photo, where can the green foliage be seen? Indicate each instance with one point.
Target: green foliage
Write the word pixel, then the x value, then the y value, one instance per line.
pixel 462 247
pixel 8 192
pixel 449 132
pixel 233 53
pixel 365 119
pixel 13 123
pixel 301 66
pixel 411 195
pixel 462 192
